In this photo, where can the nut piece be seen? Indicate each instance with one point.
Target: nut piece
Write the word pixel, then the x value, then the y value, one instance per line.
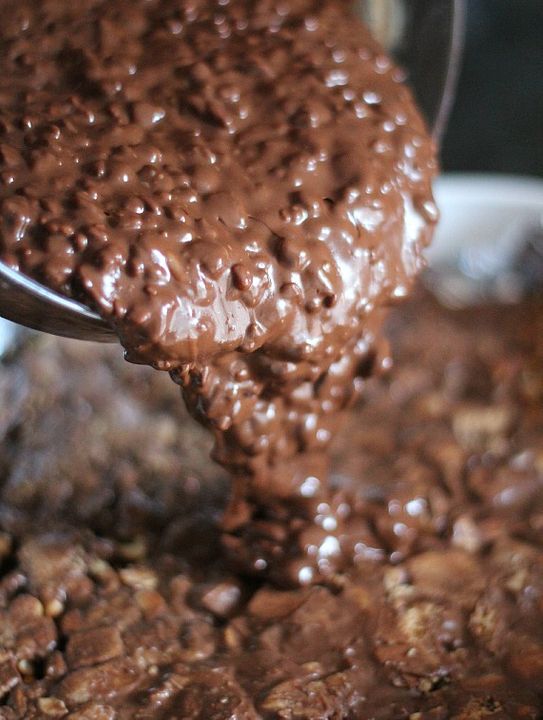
pixel 101 682
pixel 52 707
pixel 466 535
pixel 314 700
pixel 222 599
pixel 52 558
pixel 54 608
pixel 90 647
pixel 140 578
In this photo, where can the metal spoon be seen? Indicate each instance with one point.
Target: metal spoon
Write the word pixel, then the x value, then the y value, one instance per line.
pixel 27 302
pixel 426 38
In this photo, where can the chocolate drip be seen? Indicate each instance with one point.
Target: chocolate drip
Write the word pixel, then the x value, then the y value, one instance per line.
pixel 240 188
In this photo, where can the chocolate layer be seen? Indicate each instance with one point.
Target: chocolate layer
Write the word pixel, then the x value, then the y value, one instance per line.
pixel 114 598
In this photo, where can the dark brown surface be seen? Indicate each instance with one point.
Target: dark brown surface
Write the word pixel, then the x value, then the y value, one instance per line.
pixel 113 598
pixel 239 188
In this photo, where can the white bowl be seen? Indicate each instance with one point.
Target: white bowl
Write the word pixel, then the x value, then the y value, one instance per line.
pixel 484 211
pixel 486 221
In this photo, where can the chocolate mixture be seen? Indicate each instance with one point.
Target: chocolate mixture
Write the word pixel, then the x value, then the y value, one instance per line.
pixel 115 603
pixel 240 187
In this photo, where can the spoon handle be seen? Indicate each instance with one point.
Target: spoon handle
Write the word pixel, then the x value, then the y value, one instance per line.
pixel 30 303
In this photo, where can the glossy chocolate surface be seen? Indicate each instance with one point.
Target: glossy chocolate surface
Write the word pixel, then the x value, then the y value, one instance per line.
pixel 240 188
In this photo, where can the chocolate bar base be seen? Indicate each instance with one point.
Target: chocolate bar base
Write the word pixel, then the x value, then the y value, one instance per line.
pixel 114 598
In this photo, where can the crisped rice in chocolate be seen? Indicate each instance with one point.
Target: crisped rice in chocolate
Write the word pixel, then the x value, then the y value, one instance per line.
pixel 240 187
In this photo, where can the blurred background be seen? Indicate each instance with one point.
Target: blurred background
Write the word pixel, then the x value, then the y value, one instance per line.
pixel 497 121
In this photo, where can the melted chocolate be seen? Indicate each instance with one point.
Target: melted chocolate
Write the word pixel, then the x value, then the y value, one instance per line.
pixel 240 188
